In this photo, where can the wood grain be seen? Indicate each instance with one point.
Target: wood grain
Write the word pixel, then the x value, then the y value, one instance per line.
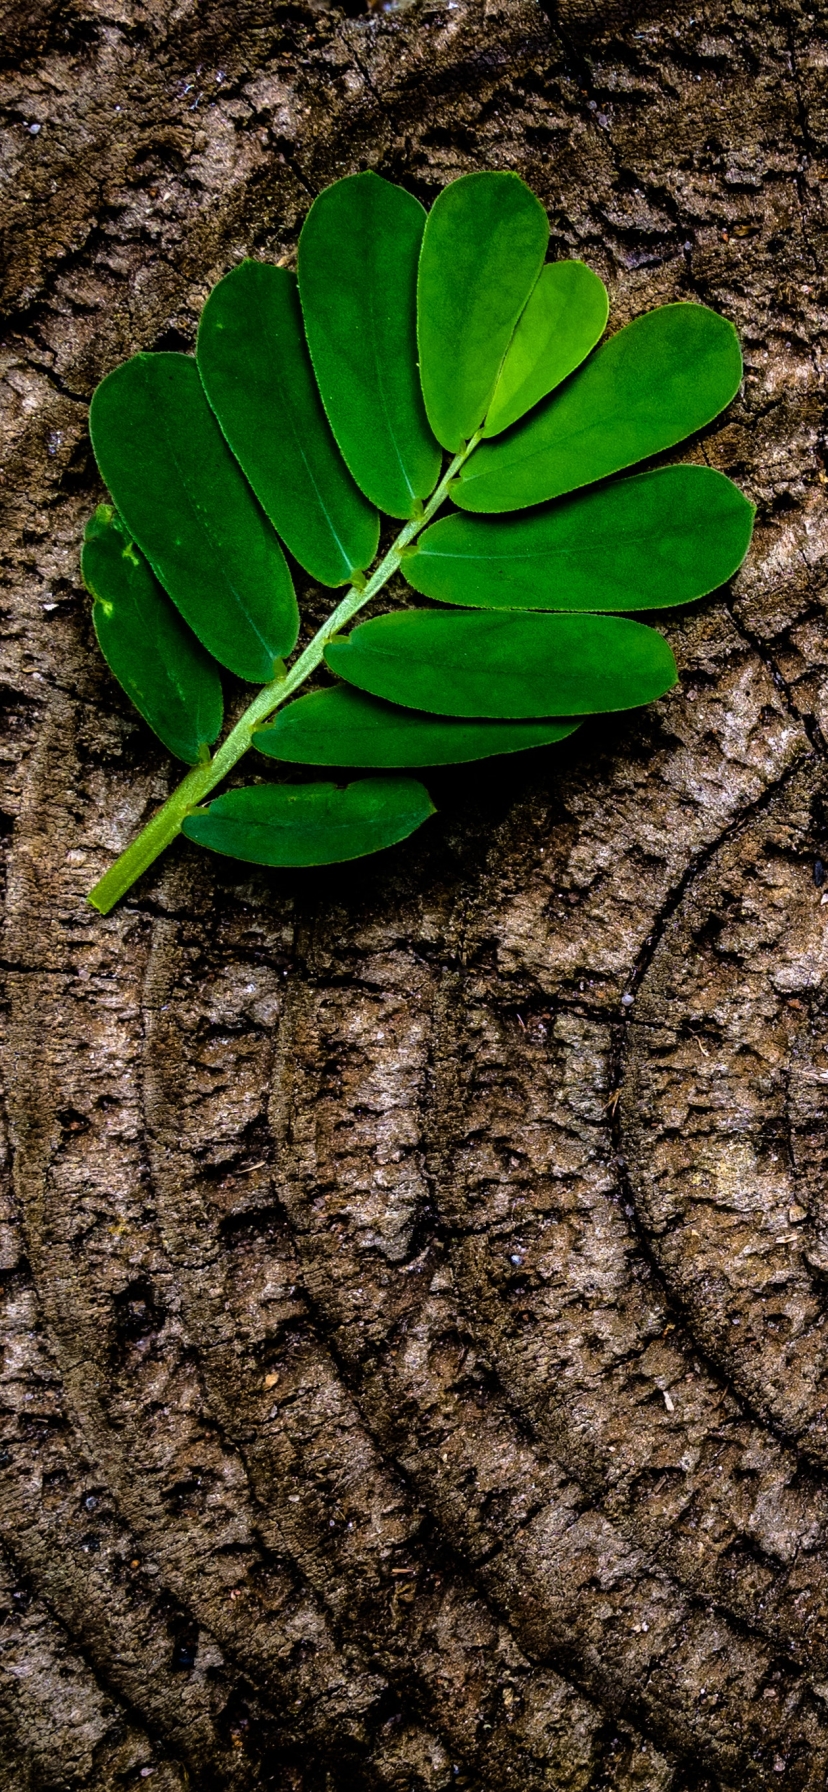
pixel 413 1277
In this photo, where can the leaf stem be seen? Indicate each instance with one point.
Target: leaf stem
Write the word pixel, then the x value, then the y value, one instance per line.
pixel 166 824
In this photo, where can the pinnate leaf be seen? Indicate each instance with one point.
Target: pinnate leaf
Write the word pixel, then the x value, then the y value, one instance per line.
pixel 358 255
pixel 505 663
pixel 411 336
pixel 482 252
pixel 343 726
pixel 154 656
pixel 186 503
pixel 310 824
pixel 659 538
pixel 564 317
pixel 257 373
pixel 655 382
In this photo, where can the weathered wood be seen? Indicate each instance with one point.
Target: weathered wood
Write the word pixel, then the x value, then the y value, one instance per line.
pixel 413 1276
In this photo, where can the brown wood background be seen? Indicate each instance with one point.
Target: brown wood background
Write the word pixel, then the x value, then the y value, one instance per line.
pixel 414 1364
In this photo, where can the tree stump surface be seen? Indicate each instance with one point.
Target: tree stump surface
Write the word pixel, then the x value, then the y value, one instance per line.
pixel 415 1360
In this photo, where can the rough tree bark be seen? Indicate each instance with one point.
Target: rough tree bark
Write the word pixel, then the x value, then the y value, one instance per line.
pixel 413 1277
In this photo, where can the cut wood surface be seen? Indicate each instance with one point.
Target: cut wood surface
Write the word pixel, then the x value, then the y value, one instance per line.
pixel 413 1273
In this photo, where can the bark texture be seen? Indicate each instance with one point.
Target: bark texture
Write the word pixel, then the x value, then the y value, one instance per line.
pixel 413 1277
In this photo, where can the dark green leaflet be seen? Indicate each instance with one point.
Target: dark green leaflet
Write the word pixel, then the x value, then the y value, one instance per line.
pixel 185 501
pixel 254 361
pixel 310 824
pixel 655 382
pixel 343 726
pixel 565 315
pixel 151 652
pixel 358 255
pixel 482 252
pixel 505 663
pixel 642 543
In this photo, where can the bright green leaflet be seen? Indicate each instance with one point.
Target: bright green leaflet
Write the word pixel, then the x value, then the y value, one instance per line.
pixel 254 362
pixel 310 824
pixel 185 501
pixel 152 653
pixel 655 382
pixel 565 315
pixel 358 255
pixel 505 663
pixel 482 252
pixel 659 538
pixel 343 726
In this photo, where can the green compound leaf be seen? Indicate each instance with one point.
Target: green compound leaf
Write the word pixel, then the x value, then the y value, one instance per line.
pixel 565 315
pixel 311 824
pixel 290 422
pixel 257 373
pixel 185 501
pixel 642 543
pixel 151 652
pixel 358 255
pixel 342 726
pixel 655 382
pixel 482 252
pixel 506 663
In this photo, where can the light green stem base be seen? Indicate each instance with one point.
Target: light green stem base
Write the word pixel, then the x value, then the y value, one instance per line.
pixel 164 827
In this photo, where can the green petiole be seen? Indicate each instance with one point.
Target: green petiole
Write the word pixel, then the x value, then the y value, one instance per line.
pixel 163 828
